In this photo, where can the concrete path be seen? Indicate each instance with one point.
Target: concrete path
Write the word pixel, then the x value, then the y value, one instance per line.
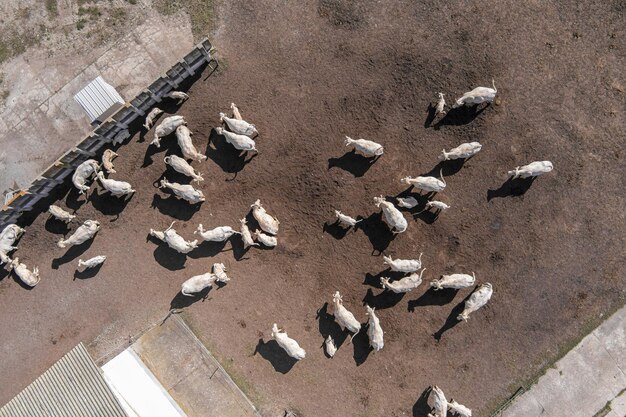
pixel 189 373
pixel 589 381
pixel 41 120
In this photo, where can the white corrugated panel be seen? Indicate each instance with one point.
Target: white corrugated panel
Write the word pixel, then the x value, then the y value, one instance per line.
pixel 97 97
pixel 72 387
pixel 139 392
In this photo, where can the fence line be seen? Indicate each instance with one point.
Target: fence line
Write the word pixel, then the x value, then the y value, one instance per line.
pixel 113 130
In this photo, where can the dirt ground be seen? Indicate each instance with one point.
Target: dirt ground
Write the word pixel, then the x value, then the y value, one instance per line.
pixel 307 73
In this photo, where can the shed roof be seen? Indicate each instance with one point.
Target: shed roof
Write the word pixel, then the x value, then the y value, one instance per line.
pixel 97 97
pixel 73 386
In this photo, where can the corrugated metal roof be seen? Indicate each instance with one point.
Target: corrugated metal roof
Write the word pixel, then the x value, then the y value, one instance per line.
pixel 72 387
pixel 97 97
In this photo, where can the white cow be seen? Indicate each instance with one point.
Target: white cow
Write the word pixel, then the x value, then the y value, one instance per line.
pixel 60 214
pixel 236 113
pixel 439 402
pixel 238 126
pixel 116 188
pixel 107 161
pixel 479 298
pixel 154 113
pixel 28 277
pixel 403 285
pixel 441 105
pixel 455 281
pixel 92 262
pixel 83 172
pixel 459 409
pixel 85 232
pixel 266 240
pixel 407 202
pixel 429 184
pixel 534 169
pixel 437 205
pixel 268 223
pixel 288 344
pixel 344 318
pixel 346 220
pixel 374 331
pixel 167 127
pixel 183 136
pixel 393 217
pixel 174 240
pixel 219 234
pixel 477 96
pixel 463 151
pixel 246 236
pixel 219 269
pixel 240 142
pixel 182 166
pixel 177 95
pixel 197 283
pixel 331 349
pixel 8 237
pixel 364 147
pixel 403 265
pixel 185 192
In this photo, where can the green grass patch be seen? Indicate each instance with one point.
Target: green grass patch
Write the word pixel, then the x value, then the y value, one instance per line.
pixel 201 13
pixel 92 11
pixel 52 8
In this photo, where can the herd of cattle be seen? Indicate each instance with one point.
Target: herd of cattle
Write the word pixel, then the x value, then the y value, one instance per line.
pixel 240 134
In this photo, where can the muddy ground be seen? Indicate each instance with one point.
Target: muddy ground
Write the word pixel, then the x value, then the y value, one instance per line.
pixel 307 74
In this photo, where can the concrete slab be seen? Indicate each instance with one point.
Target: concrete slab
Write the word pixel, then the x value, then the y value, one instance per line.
pixel 42 83
pixel 584 380
pixel 525 405
pixel 189 373
pixel 612 334
pixel 618 406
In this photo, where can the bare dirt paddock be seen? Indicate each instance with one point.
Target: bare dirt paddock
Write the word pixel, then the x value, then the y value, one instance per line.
pixel 308 73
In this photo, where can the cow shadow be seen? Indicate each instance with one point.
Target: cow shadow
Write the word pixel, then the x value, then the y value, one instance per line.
pixel 229 159
pixel 239 251
pixel 275 355
pixel 74 200
pixel 362 348
pixel 461 115
pixel 169 145
pixel 4 272
pixel 377 231
pixel 181 301
pixel 72 253
pixel 380 301
pixel 108 204
pixel 447 168
pixel 353 163
pixel 207 249
pixel 374 280
pixel 56 226
pixel 329 327
pixel 175 207
pixel 421 407
pixel 87 272
pixel 167 257
pixel 511 188
pixel 431 113
pixel 451 321
pixel 433 298
pixel 336 230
